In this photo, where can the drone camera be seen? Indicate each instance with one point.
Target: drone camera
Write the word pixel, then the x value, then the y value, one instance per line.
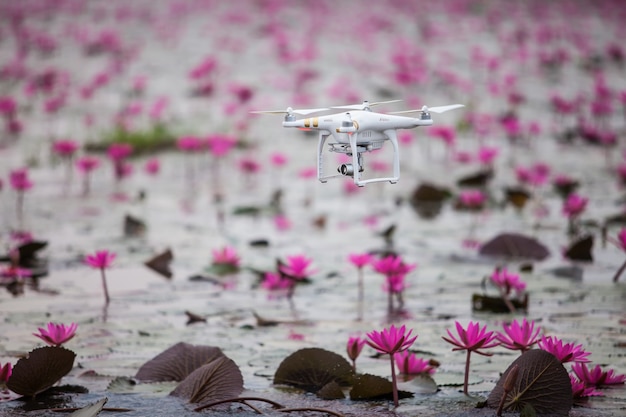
pixel 347 169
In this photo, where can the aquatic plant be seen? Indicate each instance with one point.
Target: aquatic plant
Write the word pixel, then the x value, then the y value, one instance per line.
pixel 353 348
pixel 359 260
pixel 472 339
pixel 518 336
pixel 55 334
pixel 391 341
pixel 5 372
pixel 409 363
pixel 620 242
pixel 19 180
pixel 581 391
pixel 596 376
pixel 564 352
pixel 85 165
pixel 102 260
pixel 395 270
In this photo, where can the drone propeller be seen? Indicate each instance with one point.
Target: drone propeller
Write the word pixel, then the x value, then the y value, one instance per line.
pixel 300 112
pixel 365 105
pixel 426 109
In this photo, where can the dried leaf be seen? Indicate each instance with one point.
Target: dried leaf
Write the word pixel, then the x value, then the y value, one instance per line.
pixel 91 410
pixel 41 369
pixel 542 384
pixel 177 362
pixel 580 250
pixel 214 381
pixel 311 369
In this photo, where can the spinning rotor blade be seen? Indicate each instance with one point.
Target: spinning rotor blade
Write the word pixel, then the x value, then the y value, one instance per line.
pixel 426 109
pixel 364 105
pixel 301 112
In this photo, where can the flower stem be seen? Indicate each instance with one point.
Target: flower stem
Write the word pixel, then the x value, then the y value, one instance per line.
pixel 619 272
pixel 361 295
pixel 104 287
pixel 466 379
pixel 394 382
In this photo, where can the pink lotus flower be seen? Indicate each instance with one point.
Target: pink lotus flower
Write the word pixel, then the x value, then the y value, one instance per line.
pixel 275 282
pixel 119 151
pixel 87 163
pixel 19 180
pixel 472 199
pixel 297 267
pixel 391 341
pixel 567 352
pixel 152 166
pixel 392 265
pixel 307 172
pixel 220 145
pixel 519 336
pixel 596 377
pixel 359 260
pixel 354 348
pixel 507 281
pixel 580 390
pixel 226 256
pixel 282 222
pixel 5 372
pixel 278 159
pixel 473 339
pixel 409 364
pixel 574 205
pixel 57 334
pixel 189 144
pixel 65 148
pixel 487 154
pixel 14 273
pixel 101 260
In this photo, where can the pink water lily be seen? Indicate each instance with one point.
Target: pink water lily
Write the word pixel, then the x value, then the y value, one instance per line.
pixel 564 352
pixel 580 390
pixel 57 334
pixel 101 260
pixel 359 260
pixel 409 364
pixel 226 256
pixel 391 341
pixel 354 348
pixel 519 336
pixel 472 339
pixel 5 372
pixel 596 376
pixel 298 267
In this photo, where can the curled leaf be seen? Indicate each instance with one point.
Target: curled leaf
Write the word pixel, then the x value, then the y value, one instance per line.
pixel 373 387
pixel 542 384
pixel 175 363
pixel 214 381
pixel 41 369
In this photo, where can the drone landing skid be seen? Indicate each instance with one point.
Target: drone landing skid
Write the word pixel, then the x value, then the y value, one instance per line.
pixel 357 151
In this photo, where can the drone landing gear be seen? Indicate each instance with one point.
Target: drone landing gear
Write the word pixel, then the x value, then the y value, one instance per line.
pixel 356 152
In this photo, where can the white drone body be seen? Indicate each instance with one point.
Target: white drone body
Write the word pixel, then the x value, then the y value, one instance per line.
pixel 358 131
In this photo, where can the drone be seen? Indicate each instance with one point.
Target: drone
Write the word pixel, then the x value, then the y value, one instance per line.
pixel 355 131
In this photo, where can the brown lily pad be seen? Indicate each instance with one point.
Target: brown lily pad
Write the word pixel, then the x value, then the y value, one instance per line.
pixel 161 263
pixel 311 369
pixel 580 249
pixel 217 380
pixel 177 362
pixel 542 383
pixel 331 391
pixel 373 387
pixel 40 370
pixel 515 245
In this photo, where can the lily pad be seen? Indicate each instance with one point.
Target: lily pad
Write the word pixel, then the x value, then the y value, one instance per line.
pixel 161 263
pixel 373 387
pixel 41 369
pixel 542 383
pixel 214 381
pixel 91 410
pixel 177 362
pixel 312 368
pixel 515 245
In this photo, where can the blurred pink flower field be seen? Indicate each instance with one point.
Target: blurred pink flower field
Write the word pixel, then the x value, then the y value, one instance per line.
pixel 127 130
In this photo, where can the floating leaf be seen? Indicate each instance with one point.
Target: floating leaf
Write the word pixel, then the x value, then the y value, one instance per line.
pixel 331 391
pixel 418 384
pixel 496 304
pixel 161 263
pixel 517 197
pixel 477 179
pixel 312 368
pixel 542 383
pixel 125 385
pixel 134 227
pixel 580 250
pixel 41 369
pixel 91 410
pixel 177 362
pixel 373 387
pixel 427 200
pixel 514 245
pixel 214 381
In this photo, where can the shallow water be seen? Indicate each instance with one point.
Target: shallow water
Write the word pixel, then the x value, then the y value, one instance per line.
pixel 147 312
